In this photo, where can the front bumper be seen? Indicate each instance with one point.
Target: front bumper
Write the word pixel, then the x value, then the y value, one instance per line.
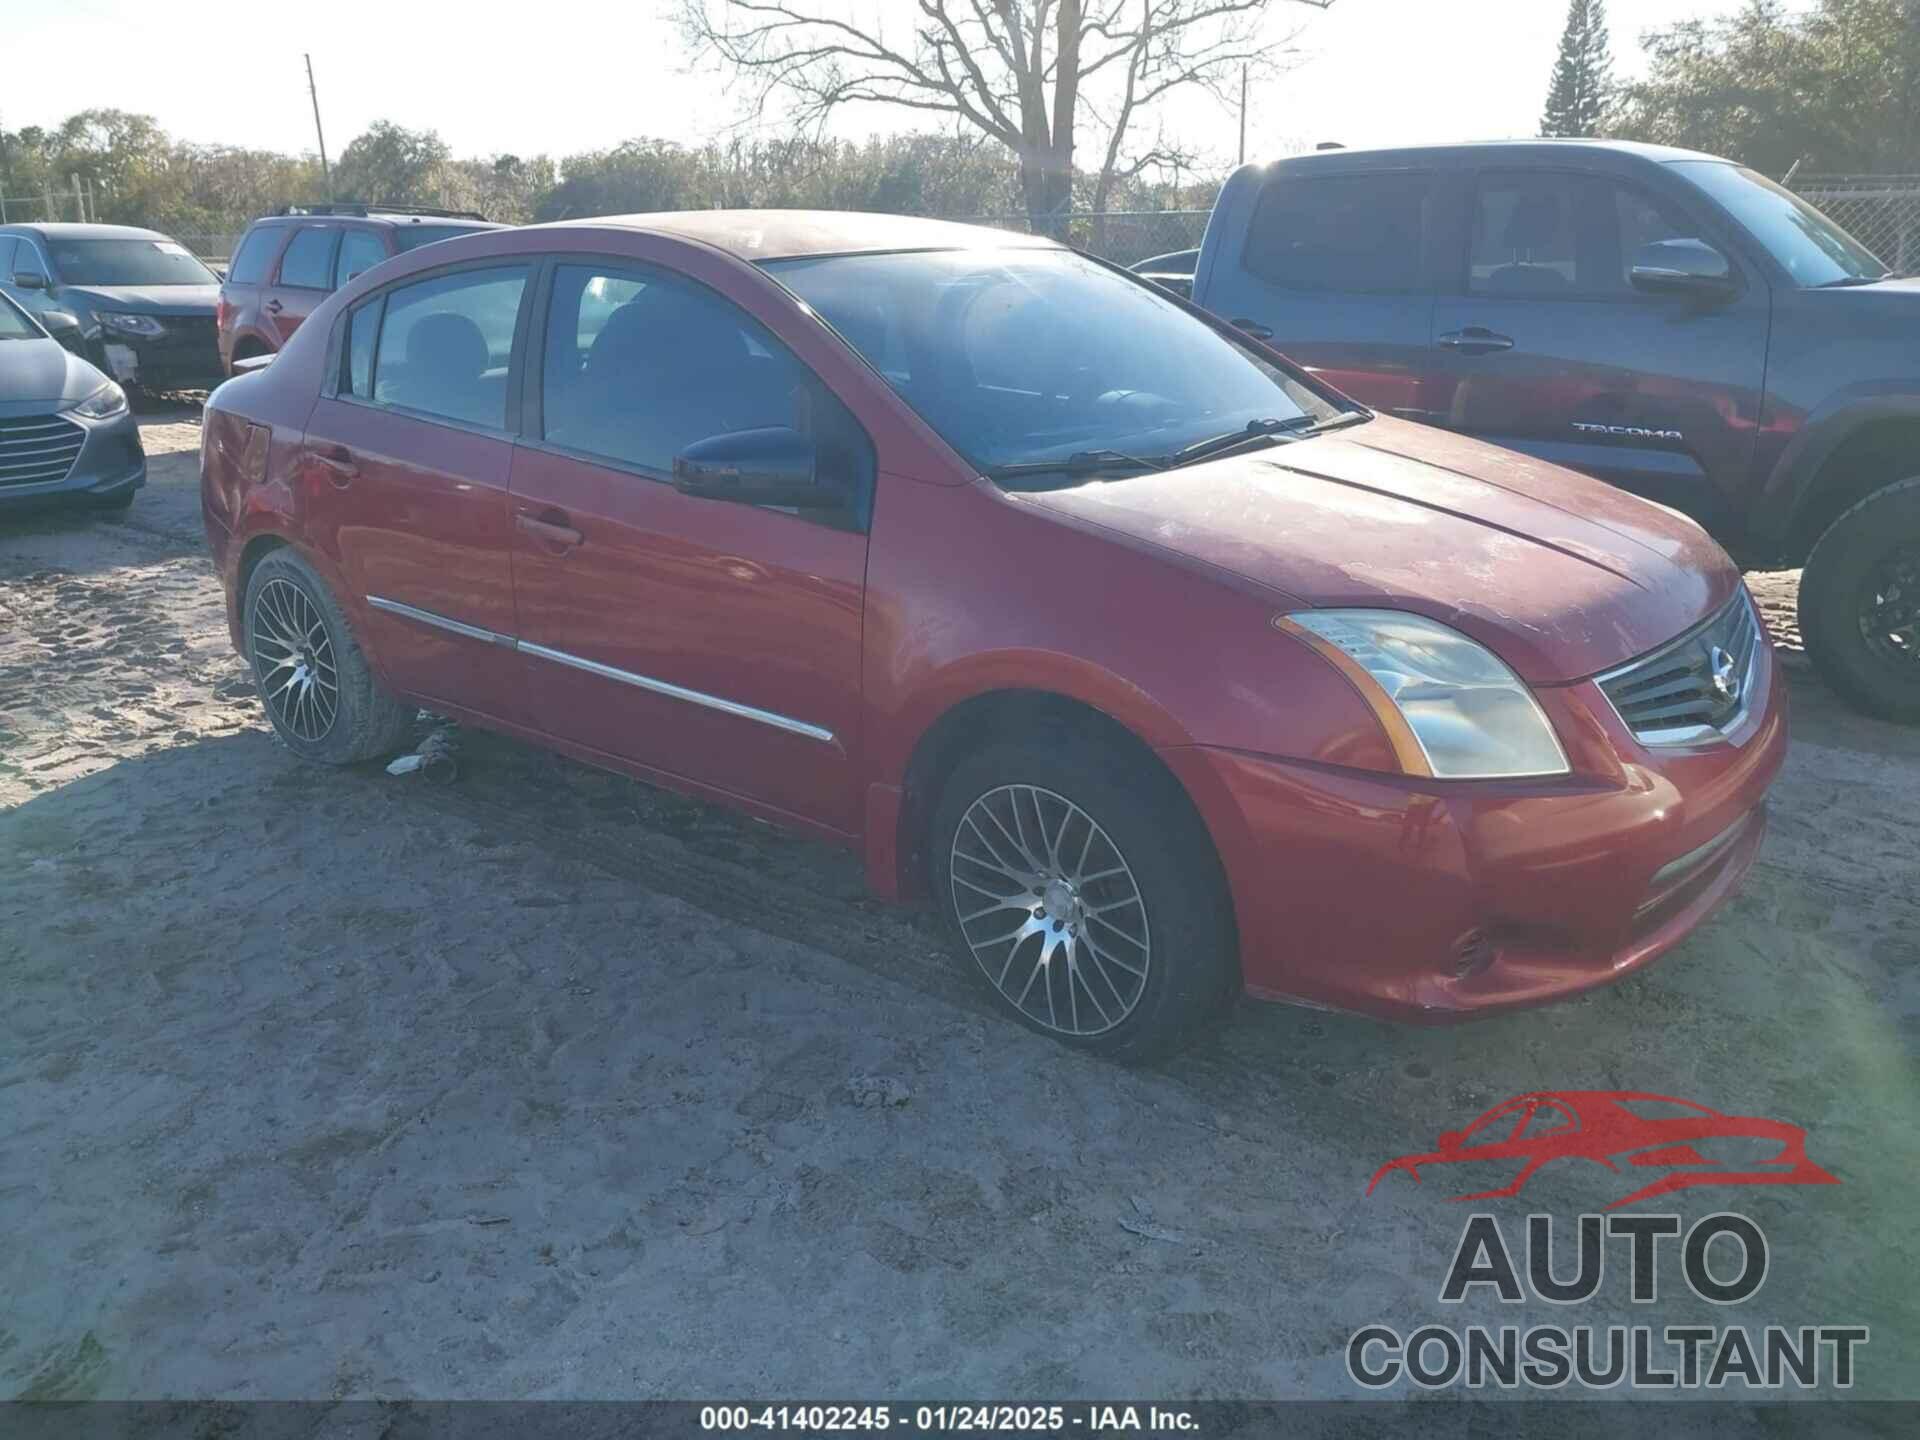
pixel 108 463
pixel 1426 902
pixel 187 357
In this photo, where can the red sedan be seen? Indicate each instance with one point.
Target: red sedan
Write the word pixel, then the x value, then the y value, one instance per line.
pixel 1162 668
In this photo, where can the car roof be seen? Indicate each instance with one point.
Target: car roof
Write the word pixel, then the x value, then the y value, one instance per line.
pixel 380 217
pixel 1473 151
pixel 66 230
pixel 758 235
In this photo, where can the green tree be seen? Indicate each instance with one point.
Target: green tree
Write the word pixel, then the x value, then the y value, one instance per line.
pixel 394 164
pixel 1582 87
pixel 1834 88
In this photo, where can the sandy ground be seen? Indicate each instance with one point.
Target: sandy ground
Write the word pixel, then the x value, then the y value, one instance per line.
pixel 544 1083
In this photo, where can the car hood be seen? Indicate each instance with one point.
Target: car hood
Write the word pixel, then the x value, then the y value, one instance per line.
pixel 146 299
pixel 1558 574
pixel 36 375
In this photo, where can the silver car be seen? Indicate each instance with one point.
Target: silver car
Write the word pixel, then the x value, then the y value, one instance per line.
pixel 66 431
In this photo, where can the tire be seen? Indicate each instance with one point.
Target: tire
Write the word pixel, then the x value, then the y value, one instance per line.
pixel 1104 990
pixel 1871 552
pixel 297 651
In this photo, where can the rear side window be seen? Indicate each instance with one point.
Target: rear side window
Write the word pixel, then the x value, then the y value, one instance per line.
pixel 1345 234
pixel 255 254
pixel 307 265
pixel 7 246
pixel 363 328
pixel 445 345
pixel 359 250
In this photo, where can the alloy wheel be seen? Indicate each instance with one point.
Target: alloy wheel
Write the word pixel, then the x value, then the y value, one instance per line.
pixel 293 656
pixel 1050 909
pixel 1890 606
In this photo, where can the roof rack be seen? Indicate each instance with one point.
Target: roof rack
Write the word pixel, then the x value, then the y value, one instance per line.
pixel 361 207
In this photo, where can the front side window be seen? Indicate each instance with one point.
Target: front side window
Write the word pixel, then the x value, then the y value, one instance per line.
pixel 446 343
pixel 639 365
pixel 1027 357
pixel 1341 234
pixel 412 237
pixel 360 250
pixel 1807 245
pixel 1524 236
pixel 7 246
pixel 127 262
pixel 255 255
pixel 309 258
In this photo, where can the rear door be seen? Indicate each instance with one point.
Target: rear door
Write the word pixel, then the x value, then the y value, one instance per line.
pixel 303 278
pixel 1546 347
pixel 1333 275
pixel 705 639
pixel 408 457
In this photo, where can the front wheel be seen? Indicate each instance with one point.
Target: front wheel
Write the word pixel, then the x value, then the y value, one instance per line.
pixel 1860 603
pixel 313 677
pixel 1085 891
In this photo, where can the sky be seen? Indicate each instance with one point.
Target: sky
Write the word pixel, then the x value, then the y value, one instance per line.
pixel 590 75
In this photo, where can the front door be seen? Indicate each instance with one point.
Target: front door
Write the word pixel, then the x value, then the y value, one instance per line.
pixel 407 468
pixel 1548 348
pixel 708 640
pixel 303 280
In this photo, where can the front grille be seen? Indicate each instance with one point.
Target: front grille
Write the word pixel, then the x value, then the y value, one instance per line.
pixel 190 348
pixel 37 448
pixel 1695 687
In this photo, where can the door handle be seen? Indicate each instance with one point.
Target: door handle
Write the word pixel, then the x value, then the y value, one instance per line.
pixel 275 306
pixel 1475 340
pixel 1253 328
pixel 550 528
pixel 338 462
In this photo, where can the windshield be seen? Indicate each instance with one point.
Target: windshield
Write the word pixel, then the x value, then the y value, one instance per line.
pixel 14 324
pixel 1813 249
pixel 1029 357
pixel 409 237
pixel 128 262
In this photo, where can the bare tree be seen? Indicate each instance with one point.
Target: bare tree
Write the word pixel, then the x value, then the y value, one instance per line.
pixel 1029 73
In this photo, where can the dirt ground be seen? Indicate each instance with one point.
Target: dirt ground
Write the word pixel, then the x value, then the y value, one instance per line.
pixel 544 1083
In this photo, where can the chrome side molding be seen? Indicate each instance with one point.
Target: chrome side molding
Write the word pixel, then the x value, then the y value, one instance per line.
pixel 608 672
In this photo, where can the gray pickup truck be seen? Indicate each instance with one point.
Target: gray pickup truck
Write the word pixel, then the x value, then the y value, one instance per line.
pixel 1667 321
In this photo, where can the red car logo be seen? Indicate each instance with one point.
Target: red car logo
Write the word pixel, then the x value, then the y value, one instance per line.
pixel 1610 1127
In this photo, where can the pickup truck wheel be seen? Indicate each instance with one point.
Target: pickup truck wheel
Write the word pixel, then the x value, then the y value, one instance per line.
pixel 313 677
pixel 1086 894
pixel 1860 603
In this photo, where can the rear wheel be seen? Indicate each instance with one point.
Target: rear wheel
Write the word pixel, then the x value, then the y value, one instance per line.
pixel 1860 603
pixel 1086 893
pixel 313 677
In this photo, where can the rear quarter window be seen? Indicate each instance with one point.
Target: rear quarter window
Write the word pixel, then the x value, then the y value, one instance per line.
pixel 1342 234
pixel 255 255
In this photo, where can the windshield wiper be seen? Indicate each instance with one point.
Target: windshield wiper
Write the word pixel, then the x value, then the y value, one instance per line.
pixel 1081 462
pixel 1252 432
pixel 1847 280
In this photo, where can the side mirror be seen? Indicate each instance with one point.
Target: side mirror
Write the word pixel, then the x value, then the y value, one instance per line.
pixel 775 465
pixel 31 280
pixel 1682 267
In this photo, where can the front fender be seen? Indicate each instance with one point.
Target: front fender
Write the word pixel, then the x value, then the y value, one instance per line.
pixel 1791 483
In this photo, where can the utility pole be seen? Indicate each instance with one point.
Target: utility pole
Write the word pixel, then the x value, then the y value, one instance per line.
pixel 326 172
pixel 1243 113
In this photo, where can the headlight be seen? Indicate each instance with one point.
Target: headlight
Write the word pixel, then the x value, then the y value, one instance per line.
pixel 142 325
pixel 103 404
pixel 1467 716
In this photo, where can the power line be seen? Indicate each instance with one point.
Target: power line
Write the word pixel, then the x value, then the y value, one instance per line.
pixel 326 172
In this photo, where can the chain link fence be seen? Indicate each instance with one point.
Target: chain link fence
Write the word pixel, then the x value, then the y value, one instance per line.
pixel 1882 212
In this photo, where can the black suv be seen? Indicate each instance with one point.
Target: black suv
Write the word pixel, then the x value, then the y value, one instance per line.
pixel 1665 320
